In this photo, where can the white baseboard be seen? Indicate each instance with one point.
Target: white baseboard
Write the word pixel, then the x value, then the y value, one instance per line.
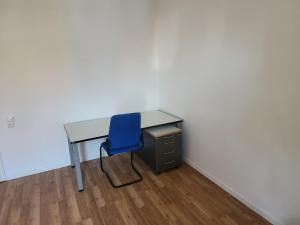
pixel 35 171
pixel 11 176
pixel 2 171
pixel 234 193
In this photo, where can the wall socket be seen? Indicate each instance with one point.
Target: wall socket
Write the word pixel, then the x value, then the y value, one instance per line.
pixel 11 122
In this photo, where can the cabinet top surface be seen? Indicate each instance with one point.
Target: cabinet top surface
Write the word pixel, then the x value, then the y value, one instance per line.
pixel 162 131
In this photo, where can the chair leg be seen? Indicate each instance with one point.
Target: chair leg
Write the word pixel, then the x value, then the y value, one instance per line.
pixel 132 166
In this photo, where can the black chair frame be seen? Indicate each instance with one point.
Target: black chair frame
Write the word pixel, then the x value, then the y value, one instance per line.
pixel 132 166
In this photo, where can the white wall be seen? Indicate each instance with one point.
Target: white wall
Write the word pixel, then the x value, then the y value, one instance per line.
pixel 69 60
pixel 2 172
pixel 231 69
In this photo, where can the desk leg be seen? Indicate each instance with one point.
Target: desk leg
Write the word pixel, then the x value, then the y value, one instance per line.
pixel 71 154
pixel 77 167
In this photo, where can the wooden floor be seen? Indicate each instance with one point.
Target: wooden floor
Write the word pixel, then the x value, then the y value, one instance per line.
pixel 180 196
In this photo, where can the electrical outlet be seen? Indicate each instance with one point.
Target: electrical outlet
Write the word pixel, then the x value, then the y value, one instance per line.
pixel 11 122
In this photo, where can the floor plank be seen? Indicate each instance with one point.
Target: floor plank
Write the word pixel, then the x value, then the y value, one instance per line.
pixel 178 197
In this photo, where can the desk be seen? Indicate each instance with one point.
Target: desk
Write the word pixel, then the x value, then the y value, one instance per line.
pixel 82 131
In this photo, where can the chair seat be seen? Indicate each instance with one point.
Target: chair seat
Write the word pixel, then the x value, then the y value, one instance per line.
pixel 111 151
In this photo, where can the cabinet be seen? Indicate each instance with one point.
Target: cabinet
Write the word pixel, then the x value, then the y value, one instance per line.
pixel 162 148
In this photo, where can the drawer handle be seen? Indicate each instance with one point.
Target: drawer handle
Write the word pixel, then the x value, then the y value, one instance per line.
pixel 168 137
pixel 168 153
pixel 168 163
pixel 169 142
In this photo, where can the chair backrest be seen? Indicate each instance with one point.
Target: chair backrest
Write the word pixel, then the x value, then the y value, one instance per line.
pixel 125 130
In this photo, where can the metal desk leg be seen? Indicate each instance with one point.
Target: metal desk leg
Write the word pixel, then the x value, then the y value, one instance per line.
pixel 71 154
pixel 77 167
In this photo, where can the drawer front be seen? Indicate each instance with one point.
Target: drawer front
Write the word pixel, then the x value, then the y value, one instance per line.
pixel 169 140
pixel 169 164
pixel 169 143
pixel 168 152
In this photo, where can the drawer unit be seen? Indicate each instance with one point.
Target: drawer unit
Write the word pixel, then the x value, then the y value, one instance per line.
pixel 162 148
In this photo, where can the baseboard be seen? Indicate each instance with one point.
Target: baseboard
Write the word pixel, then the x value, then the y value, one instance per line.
pixel 35 171
pixel 234 193
pixel 11 176
pixel 2 171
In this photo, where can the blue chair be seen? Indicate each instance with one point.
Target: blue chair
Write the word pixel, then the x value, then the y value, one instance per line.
pixel 124 136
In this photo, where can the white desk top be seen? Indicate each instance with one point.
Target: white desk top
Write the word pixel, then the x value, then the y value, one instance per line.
pixel 98 128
